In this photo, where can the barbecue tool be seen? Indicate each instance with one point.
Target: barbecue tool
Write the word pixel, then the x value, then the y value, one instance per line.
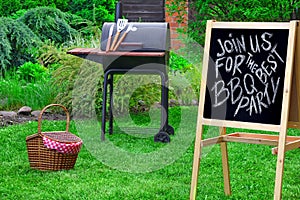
pixel 121 24
pixel 109 37
pixel 130 28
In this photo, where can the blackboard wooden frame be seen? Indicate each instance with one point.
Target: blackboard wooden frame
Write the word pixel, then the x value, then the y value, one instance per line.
pixel 294 115
pixel 281 141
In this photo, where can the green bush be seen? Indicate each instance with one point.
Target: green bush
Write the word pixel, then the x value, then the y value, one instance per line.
pixel 135 92
pixel 32 72
pixel 177 62
pixel 67 73
pixel 97 11
pixel 15 93
pixel 94 12
pixel 49 23
pixel 85 27
pixel 17 44
pixel 10 7
pixel 7 7
pixel 50 54
pixel 18 14
pixel 67 69
pixel 185 74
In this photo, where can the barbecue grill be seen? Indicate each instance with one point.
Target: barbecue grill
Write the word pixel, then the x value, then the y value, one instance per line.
pixel 140 48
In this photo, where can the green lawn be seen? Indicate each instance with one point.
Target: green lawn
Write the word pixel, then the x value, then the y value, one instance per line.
pixel 96 177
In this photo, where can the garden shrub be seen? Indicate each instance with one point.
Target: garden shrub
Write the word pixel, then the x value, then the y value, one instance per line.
pixel 49 54
pixel 185 68
pixel 17 14
pixel 32 72
pixel 9 7
pixel 90 13
pixel 17 44
pixel 80 86
pixel 15 93
pixel 135 92
pixel 49 23
pixel 97 11
pixel 185 85
pixel 67 69
pixel 66 74
pixel 86 94
pixel 177 62
pixel 85 27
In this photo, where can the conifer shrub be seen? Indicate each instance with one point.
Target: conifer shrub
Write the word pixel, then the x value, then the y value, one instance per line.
pixel 49 23
pixel 17 44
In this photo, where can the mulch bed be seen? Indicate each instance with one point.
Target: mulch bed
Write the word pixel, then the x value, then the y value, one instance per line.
pixel 7 121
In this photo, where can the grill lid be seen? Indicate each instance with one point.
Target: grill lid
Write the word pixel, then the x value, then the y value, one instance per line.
pixel 143 36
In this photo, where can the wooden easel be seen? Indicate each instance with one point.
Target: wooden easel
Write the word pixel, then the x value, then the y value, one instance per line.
pixel 290 112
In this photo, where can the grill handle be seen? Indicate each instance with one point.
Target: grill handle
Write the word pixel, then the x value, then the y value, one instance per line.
pixel 131 44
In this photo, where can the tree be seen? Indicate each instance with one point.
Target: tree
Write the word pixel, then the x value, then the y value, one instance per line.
pixel 7 7
pixel 97 11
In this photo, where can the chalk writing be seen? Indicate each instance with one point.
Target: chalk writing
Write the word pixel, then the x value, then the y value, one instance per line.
pixel 247 71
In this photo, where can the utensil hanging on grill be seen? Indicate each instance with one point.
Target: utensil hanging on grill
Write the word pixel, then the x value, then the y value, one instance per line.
pixel 130 28
pixel 121 24
pixel 109 37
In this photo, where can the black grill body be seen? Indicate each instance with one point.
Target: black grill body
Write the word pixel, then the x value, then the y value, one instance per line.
pixel 148 37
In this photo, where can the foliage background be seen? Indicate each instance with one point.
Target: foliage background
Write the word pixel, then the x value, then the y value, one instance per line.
pixel 97 11
pixel 248 10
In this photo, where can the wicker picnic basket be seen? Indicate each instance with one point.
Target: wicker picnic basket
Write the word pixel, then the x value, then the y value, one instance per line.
pixel 53 150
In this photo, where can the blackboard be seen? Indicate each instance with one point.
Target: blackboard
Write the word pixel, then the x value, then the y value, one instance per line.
pixel 250 80
pixel 245 75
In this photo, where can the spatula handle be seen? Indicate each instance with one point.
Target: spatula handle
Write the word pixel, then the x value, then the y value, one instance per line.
pixel 115 40
pixel 119 42
pixel 108 44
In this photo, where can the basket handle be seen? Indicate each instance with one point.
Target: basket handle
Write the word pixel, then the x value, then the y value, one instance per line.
pixel 45 108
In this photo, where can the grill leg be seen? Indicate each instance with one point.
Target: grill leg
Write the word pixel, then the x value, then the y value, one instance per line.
pixel 165 97
pixel 104 100
pixel 166 129
pixel 164 103
pixel 111 86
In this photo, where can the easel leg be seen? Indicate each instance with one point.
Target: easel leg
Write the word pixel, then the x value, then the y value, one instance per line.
pixel 280 165
pixel 196 163
pixel 225 164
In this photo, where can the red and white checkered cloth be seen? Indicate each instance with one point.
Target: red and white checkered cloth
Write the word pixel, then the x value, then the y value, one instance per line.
pixel 62 147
